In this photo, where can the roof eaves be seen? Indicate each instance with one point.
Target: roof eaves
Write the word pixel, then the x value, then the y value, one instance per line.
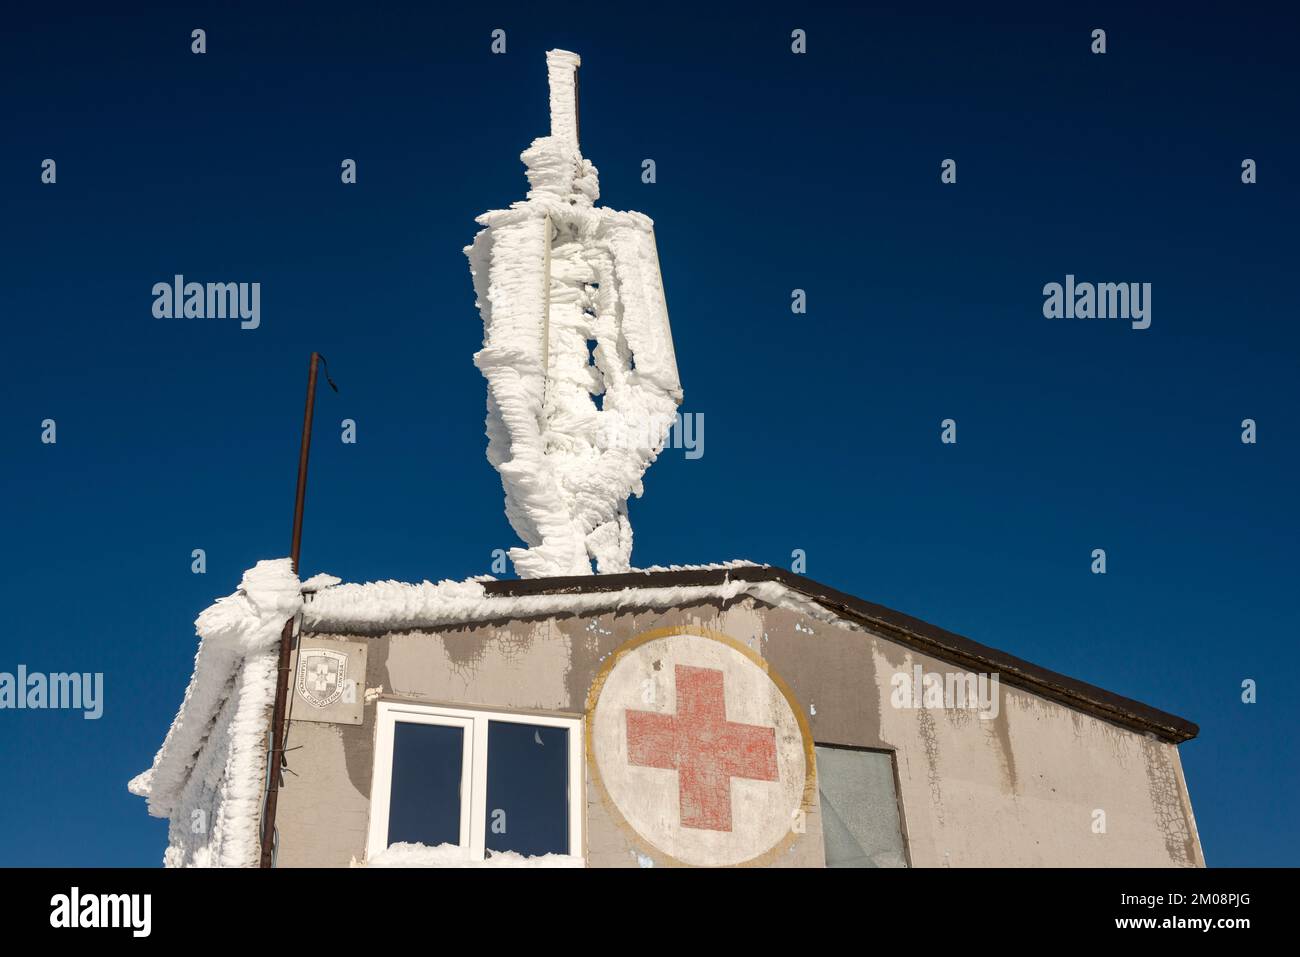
pixel 903 629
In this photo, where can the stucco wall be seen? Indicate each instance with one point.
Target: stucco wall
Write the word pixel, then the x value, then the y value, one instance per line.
pixel 1021 789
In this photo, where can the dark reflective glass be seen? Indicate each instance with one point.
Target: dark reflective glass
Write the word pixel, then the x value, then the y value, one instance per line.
pixel 424 804
pixel 527 788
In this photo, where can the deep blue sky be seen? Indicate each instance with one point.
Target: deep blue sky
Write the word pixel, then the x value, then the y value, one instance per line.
pixel 775 171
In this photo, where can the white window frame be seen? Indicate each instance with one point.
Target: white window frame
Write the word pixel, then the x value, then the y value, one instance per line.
pixel 474 761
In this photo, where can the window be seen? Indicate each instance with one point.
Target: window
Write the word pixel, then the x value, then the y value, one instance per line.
pixel 859 807
pixel 483 780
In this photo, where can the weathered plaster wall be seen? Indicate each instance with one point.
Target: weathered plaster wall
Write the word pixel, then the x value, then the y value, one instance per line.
pixel 1020 789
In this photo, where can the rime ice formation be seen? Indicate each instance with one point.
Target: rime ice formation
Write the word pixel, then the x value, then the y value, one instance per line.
pixel 577 352
pixel 209 775
pixel 377 607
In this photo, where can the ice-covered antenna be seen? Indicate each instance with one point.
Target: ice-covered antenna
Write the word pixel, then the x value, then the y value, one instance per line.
pixel 577 352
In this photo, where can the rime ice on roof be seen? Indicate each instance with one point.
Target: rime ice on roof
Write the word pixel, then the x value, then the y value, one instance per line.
pixel 209 776
pixel 577 352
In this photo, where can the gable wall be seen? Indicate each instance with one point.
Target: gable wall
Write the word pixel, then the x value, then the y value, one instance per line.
pixel 1020 789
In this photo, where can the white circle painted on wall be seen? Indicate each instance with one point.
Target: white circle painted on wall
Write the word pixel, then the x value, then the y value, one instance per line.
pixel 701 750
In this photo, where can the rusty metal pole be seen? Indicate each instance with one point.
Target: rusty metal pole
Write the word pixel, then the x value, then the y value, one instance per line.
pixel 276 757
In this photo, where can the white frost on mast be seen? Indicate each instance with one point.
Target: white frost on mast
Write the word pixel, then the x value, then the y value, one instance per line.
pixel 573 312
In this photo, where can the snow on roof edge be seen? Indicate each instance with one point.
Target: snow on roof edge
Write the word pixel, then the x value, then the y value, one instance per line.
pixel 376 607
pixel 232 667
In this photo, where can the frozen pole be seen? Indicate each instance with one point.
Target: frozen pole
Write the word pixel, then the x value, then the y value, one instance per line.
pixel 562 76
pixel 562 82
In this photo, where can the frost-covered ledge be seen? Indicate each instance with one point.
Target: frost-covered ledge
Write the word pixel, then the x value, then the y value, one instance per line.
pixel 450 855
pixel 377 607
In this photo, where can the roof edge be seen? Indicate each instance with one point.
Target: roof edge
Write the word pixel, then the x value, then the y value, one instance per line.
pixel 903 629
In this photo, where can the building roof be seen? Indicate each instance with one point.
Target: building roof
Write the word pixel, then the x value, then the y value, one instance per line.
pixel 386 606
pixel 903 629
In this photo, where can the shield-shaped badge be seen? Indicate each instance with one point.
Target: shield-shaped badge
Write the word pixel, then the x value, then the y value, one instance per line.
pixel 321 676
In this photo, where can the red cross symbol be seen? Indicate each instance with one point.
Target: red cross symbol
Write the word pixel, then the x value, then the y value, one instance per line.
pixel 703 747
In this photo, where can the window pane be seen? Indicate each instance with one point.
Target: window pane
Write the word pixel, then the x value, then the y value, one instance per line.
pixel 527 788
pixel 859 808
pixel 424 805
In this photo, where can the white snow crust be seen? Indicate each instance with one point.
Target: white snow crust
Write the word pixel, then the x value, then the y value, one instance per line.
pixel 378 607
pixel 449 855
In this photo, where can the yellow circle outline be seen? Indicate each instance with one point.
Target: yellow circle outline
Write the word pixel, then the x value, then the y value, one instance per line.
pixel 598 684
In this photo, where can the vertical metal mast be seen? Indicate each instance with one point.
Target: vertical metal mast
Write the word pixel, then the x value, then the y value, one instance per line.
pixel 276 756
